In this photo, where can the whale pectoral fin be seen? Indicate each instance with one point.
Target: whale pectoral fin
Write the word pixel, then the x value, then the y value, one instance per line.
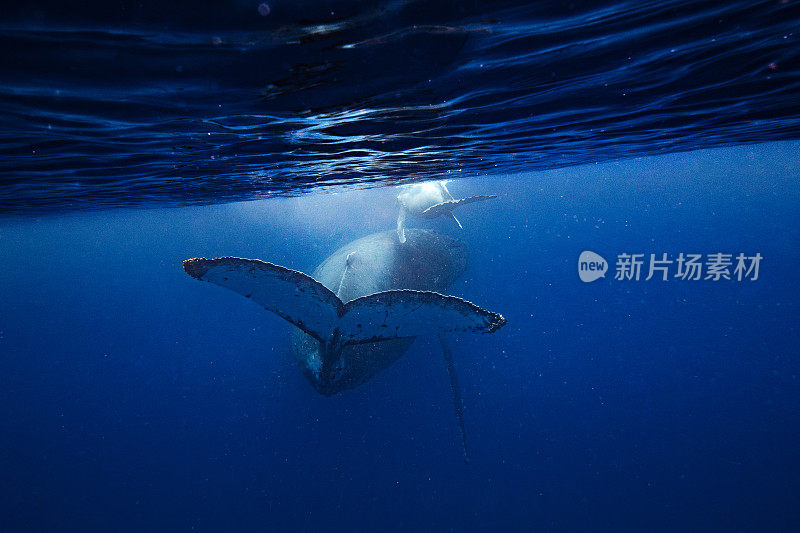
pixel 406 313
pixel 455 390
pixel 401 220
pixel 447 195
pixel 292 295
pixel 445 208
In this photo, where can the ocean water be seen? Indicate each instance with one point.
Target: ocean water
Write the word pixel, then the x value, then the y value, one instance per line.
pixel 137 135
pixel 163 103
pixel 135 397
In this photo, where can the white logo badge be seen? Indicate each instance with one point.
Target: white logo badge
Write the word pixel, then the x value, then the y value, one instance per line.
pixel 591 266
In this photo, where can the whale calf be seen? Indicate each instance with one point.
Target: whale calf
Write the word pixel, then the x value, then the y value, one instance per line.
pixel 363 306
pixel 429 199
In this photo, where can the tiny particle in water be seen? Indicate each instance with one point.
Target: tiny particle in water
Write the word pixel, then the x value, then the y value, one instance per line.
pixel 263 9
pixel 772 66
pixel 216 41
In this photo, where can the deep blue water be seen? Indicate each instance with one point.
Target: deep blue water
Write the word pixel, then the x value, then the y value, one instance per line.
pixel 134 135
pixel 134 397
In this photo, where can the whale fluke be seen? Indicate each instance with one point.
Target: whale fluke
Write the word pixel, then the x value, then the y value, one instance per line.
pixel 392 292
pixel 406 313
pixel 306 303
pixel 290 294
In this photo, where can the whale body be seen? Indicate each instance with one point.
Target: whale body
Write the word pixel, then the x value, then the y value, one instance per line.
pixel 427 261
pixel 364 305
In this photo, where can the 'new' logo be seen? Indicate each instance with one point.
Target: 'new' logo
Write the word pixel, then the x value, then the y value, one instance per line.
pixel 591 266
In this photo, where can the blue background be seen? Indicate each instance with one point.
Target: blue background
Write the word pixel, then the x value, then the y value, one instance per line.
pixel 133 397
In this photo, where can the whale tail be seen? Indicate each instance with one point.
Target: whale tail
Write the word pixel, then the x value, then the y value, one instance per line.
pixel 309 305
pixel 320 313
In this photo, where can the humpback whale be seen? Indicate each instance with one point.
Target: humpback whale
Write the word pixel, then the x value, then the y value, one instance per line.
pixel 363 306
pixel 430 199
